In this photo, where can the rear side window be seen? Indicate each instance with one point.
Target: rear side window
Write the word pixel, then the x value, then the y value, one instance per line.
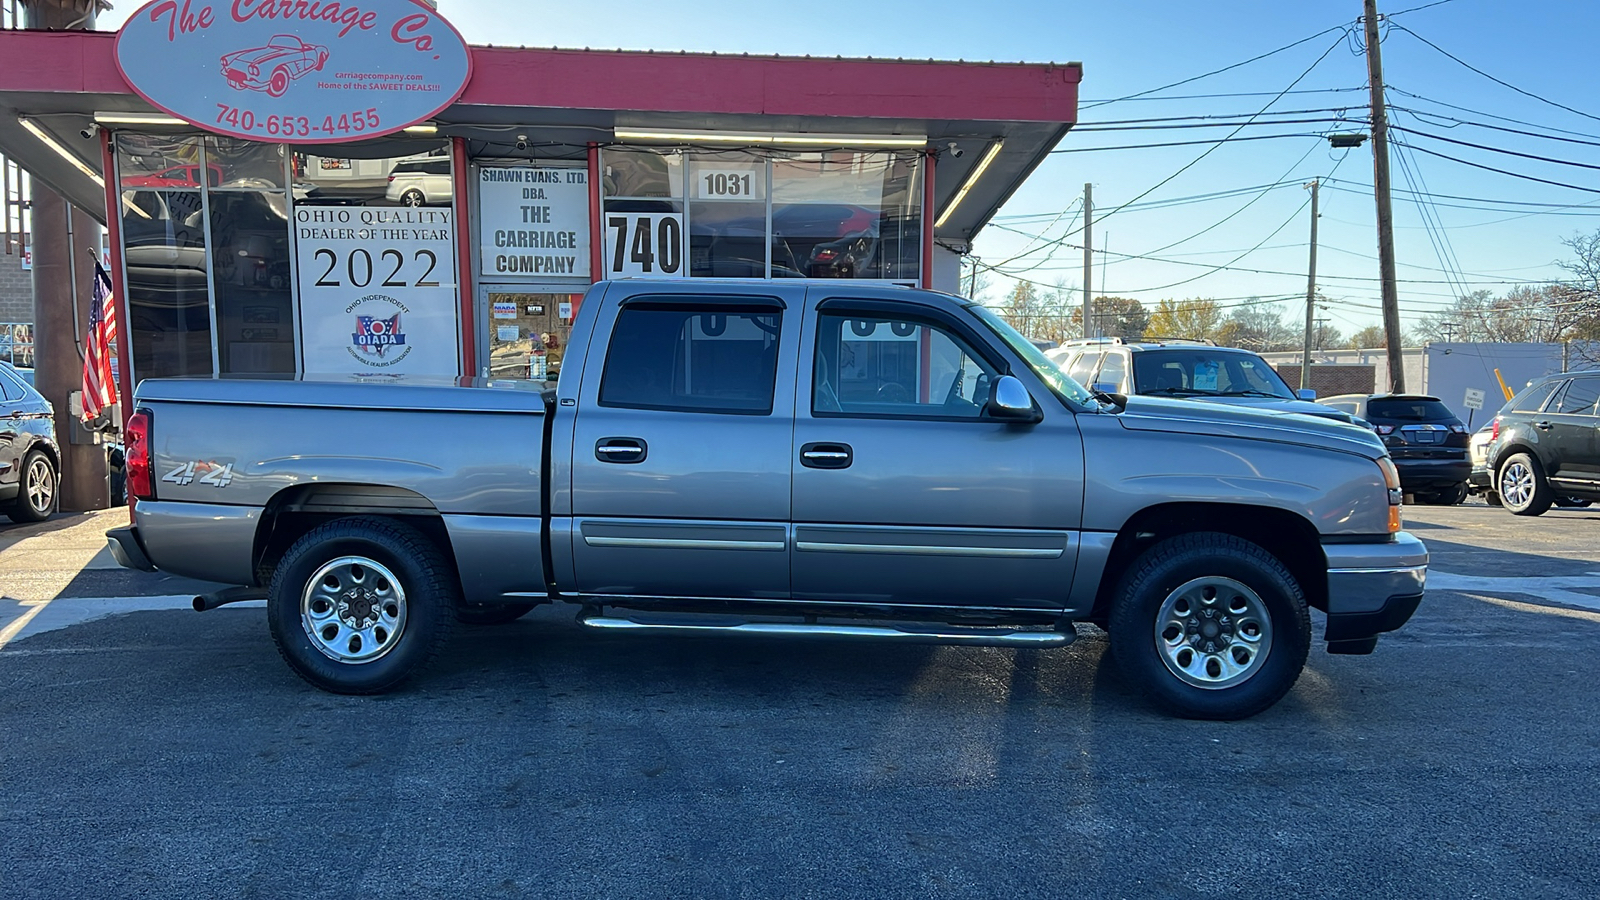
pixel 1408 409
pixel 688 358
pixel 1579 397
pixel 1113 370
pixel 1083 367
pixel 11 386
pixel 1532 399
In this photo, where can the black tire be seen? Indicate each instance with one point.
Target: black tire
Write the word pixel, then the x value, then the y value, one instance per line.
pixel 1571 503
pixel 413 197
pixel 1450 496
pixel 1492 498
pixel 38 490
pixel 396 639
pixel 491 613
pixel 1170 571
pixel 1523 489
pixel 1424 498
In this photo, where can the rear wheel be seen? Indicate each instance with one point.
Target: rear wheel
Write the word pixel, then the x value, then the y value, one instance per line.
pixel 1523 488
pixel 1210 626
pixel 358 605
pixel 1492 498
pixel 36 494
pixel 413 197
pixel 1449 496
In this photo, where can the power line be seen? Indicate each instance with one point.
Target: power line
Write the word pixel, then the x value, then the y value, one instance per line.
pixel 1479 112
pixel 1502 83
pixel 1422 114
pixel 1221 70
pixel 1215 141
pixel 1532 156
pixel 1505 172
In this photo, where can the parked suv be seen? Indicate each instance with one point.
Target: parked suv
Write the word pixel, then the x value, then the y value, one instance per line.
pixel 30 460
pixel 1193 370
pixel 1425 439
pixel 1543 448
pixel 420 182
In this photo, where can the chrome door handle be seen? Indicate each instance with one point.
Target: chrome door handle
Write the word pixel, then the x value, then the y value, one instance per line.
pixel 621 450
pixel 824 455
pixel 1542 426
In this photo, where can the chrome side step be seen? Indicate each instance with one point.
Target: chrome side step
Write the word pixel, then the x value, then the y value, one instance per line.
pixel 904 633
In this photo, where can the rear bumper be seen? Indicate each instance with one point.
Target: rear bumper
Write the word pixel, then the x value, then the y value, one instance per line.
pixel 1425 474
pixel 128 550
pixel 1372 588
pixel 211 542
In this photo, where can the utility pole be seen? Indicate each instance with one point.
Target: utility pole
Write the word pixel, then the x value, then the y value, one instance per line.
pixel 1088 257
pixel 1311 292
pixel 1380 183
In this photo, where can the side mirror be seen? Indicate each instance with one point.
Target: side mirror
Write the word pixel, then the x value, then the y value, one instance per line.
pixel 1103 387
pixel 1306 394
pixel 1011 402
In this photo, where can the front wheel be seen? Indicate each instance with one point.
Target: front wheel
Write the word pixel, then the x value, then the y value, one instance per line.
pixel 1210 626
pixel 358 605
pixel 1523 488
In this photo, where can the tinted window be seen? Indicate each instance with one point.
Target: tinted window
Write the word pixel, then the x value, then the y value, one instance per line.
pixel 887 367
pixel 1206 371
pixel 1532 399
pixel 1411 409
pixel 1084 366
pixel 693 359
pixel 1579 396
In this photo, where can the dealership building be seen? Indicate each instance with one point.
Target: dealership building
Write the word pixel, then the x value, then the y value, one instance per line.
pixel 324 197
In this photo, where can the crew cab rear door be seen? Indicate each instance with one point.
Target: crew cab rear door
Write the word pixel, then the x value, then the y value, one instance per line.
pixel 905 491
pixel 681 445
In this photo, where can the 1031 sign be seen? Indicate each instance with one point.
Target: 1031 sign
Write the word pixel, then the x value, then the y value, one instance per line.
pixel 644 245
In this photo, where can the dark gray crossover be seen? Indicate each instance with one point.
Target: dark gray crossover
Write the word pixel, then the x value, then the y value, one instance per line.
pixel 1544 446
pixel 790 459
pixel 30 460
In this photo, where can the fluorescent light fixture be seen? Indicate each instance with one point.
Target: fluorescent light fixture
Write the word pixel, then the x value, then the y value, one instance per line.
pixel 136 118
pixel 422 128
pixel 53 144
pixel 811 140
pixel 977 172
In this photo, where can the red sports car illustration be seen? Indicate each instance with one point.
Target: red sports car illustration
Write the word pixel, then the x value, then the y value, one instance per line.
pixel 272 67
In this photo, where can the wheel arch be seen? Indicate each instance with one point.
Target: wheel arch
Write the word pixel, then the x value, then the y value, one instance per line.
pixel 293 512
pixel 1290 537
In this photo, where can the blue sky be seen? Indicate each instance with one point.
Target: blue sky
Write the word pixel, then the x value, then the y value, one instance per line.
pixel 1544 48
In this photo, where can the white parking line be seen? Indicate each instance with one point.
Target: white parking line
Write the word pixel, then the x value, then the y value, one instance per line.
pixel 1551 589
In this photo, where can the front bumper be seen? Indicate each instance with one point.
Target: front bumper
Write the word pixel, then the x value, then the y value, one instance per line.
pixel 1372 588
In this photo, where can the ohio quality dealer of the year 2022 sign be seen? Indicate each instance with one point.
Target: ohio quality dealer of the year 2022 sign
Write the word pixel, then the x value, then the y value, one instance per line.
pixel 377 290
pixel 303 71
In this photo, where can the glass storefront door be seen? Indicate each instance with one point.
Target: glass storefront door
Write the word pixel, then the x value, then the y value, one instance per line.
pixel 527 331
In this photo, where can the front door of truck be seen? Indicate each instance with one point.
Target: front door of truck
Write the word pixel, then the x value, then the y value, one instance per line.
pixel 905 491
pixel 680 455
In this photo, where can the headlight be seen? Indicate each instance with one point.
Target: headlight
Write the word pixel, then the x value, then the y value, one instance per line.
pixel 1391 480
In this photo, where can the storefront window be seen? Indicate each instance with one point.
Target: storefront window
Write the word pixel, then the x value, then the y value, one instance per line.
pixel 763 213
pixel 528 333
pixel 847 214
pixel 164 255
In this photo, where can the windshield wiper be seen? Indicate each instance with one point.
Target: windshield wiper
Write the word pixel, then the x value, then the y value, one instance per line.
pixel 1174 392
pixel 1253 393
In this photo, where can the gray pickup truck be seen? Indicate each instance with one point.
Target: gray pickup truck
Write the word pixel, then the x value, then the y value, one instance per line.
pixel 780 459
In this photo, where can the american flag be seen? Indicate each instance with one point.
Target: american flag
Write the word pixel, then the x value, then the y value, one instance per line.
pixel 99 384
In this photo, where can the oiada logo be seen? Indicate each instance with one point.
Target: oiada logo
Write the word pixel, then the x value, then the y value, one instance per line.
pixel 311 71
pixel 378 341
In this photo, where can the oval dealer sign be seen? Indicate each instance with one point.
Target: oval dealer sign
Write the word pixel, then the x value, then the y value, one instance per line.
pixel 301 71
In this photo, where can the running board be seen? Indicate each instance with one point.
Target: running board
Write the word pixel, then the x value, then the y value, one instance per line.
pixel 906 634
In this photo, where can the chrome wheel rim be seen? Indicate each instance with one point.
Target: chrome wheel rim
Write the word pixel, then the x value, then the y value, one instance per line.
pixel 353 609
pixel 41 486
pixel 1213 632
pixel 1516 485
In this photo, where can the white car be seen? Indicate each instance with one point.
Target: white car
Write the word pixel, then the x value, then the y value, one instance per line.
pixel 420 182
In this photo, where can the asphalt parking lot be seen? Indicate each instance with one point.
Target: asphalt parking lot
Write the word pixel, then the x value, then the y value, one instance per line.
pixel 151 751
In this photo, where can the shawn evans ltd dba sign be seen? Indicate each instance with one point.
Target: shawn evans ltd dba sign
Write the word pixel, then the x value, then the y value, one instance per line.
pixel 306 71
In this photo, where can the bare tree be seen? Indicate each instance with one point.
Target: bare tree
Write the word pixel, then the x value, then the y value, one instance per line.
pixel 1122 317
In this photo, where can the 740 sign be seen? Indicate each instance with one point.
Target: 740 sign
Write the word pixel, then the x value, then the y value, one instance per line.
pixel 648 245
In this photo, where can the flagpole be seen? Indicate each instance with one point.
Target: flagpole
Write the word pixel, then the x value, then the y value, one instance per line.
pixel 72 267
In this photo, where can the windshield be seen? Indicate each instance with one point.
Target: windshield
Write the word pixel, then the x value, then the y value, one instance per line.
pixel 1203 371
pixel 1041 365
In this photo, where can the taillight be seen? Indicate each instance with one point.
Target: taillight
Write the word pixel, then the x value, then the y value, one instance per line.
pixel 391 179
pixel 1494 433
pixel 136 456
pixel 1383 429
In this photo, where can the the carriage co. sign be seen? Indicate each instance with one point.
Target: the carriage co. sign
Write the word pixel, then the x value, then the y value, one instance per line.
pixel 306 71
